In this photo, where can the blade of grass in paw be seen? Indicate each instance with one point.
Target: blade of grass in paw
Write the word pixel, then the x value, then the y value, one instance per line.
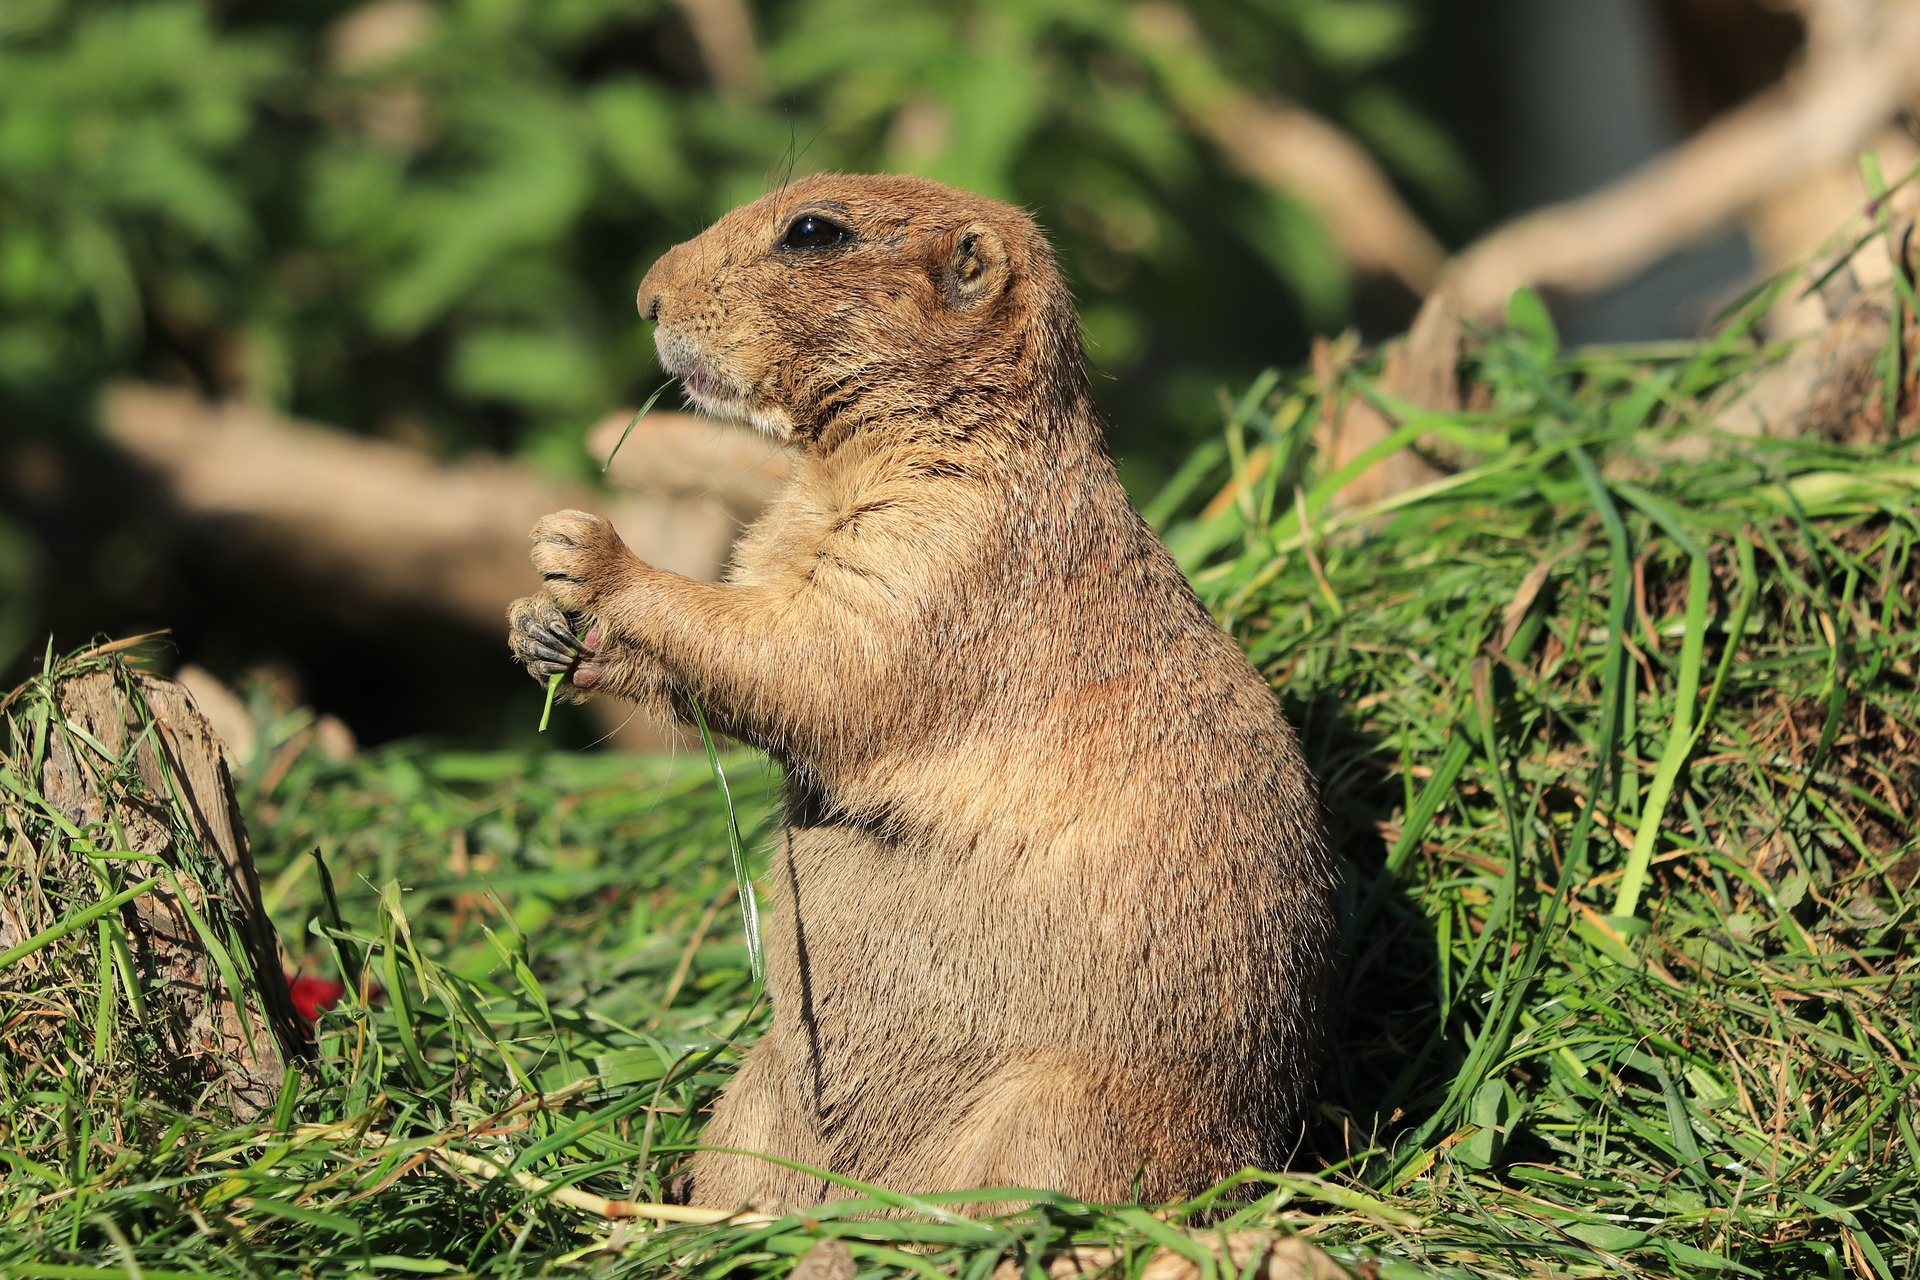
pixel 553 687
pixel 651 401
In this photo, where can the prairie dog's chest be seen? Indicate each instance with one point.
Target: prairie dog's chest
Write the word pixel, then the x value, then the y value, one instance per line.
pixel 793 527
pixel 868 522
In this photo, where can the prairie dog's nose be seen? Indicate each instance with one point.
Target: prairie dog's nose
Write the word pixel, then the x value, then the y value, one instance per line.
pixel 680 273
pixel 648 299
pixel 653 287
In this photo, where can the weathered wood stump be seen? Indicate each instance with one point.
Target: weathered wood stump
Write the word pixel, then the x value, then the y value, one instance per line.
pixel 114 794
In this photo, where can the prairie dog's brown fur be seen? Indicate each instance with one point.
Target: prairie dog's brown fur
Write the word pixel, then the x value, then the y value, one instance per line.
pixel 1054 907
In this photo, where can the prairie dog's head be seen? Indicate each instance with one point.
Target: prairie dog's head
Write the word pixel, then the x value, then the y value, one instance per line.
pixel 842 300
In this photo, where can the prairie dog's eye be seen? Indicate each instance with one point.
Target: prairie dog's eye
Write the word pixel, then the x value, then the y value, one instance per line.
pixel 811 231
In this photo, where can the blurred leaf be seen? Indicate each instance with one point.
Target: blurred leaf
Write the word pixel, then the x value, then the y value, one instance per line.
pixel 533 184
pixel 538 370
pixel 1295 244
pixel 637 129
pixel 116 139
pixel 994 100
pixel 1529 319
pixel 28 17
pixel 1143 130
pixel 1354 34
pixel 1414 146
pixel 97 258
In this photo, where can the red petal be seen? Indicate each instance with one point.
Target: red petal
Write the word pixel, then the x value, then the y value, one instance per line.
pixel 313 996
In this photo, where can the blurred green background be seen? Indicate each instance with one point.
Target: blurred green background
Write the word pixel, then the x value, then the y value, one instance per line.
pixel 428 220
pixel 425 221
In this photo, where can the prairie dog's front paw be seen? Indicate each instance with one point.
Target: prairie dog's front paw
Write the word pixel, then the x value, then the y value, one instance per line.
pixel 548 643
pixel 580 557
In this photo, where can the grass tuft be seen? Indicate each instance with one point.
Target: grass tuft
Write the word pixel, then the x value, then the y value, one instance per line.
pixel 1622 754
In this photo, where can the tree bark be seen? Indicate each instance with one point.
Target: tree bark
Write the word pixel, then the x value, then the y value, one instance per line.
pixel 132 786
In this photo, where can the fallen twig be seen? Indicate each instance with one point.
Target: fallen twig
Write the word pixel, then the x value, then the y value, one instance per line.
pixel 484 1167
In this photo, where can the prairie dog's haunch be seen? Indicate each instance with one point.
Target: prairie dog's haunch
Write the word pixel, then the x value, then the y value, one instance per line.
pixel 1054 906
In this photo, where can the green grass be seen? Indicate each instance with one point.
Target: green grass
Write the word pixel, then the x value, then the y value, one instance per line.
pixel 1623 757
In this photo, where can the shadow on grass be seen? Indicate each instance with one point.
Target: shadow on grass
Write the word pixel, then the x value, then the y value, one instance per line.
pixel 1387 1060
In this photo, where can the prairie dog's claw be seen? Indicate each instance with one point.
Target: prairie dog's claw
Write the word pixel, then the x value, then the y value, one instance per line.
pixel 548 643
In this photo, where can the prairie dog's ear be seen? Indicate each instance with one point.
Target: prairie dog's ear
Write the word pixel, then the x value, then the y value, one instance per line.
pixel 971 266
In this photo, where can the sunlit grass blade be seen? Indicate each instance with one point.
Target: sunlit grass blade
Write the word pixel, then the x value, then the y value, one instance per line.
pixel 749 908
pixel 634 422
pixel 1681 736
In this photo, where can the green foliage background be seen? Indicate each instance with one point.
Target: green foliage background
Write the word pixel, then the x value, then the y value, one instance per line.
pixel 447 233
pixel 426 220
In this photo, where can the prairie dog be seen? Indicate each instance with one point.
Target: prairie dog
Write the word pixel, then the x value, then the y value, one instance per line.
pixel 1053 907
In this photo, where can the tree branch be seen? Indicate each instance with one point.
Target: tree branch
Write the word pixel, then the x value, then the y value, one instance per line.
pixel 723 30
pixel 384 524
pixel 1820 114
pixel 1287 148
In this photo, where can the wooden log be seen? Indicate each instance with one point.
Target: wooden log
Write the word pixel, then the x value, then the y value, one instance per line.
pixel 377 524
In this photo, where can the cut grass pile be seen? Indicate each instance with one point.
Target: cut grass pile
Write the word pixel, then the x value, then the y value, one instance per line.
pixel 1622 754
